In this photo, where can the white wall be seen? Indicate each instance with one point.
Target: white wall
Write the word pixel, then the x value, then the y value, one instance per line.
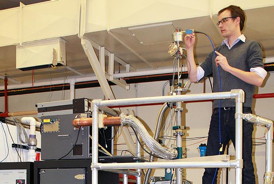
pixel 197 117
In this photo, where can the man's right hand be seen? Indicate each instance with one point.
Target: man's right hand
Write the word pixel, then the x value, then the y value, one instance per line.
pixel 189 40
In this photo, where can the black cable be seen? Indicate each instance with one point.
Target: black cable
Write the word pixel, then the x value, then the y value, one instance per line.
pixel 104 137
pixel 127 151
pixel 79 130
pixel 13 143
pixel 220 89
pixel 212 44
pixel 6 142
pixel 163 88
pixel 115 133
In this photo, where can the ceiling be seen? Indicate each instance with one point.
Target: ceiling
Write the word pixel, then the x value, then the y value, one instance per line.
pixel 144 47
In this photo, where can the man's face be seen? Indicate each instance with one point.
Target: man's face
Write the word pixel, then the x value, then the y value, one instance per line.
pixel 228 25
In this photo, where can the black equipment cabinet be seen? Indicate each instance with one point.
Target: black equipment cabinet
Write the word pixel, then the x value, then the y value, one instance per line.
pixel 69 172
pixel 16 172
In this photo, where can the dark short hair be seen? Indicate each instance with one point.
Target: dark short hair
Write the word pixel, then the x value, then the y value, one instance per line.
pixel 235 11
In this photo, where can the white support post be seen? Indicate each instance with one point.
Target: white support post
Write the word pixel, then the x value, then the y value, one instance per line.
pixel 120 82
pixel 100 74
pixel 269 174
pixel 127 68
pixel 179 177
pixel 125 181
pixel 72 89
pixel 102 58
pixel 95 140
pixel 117 59
pixel 111 65
pixel 238 133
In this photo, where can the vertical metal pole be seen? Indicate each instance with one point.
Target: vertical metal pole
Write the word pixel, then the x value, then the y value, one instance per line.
pixel 268 152
pixel 6 94
pixel 179 177
pixel 102 57
pixel 239 137
pixel 111 65
pixel 125 179
pixel 95 143
pixel 112 140
pixel 72 89
pixel 138 148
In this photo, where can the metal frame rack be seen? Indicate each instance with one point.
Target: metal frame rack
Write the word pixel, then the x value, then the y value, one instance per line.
pixel 237 95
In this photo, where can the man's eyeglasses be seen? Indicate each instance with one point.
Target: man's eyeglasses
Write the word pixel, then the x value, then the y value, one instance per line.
pixel 225 19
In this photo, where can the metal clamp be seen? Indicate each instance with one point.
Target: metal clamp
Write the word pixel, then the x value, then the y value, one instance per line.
pixel 238 115
pixel 268 177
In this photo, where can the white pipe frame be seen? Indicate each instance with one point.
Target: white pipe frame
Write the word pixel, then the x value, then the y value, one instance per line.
pixel 178 110
pixel 238 95
pixel 125 181
pixel 268 178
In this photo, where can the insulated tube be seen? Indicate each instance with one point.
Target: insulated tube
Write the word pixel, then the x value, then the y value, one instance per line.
pixel 156 137
pixel 153 145
pixel 258 120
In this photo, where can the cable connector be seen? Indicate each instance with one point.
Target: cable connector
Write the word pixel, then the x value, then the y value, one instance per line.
pixel 189 31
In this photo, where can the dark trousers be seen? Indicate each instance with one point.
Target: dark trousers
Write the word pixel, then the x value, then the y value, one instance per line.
pixel 224 133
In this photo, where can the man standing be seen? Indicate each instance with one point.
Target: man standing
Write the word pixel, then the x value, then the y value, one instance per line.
pixel 236 64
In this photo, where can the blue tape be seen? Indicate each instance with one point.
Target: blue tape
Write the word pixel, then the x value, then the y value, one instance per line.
pixel 189 31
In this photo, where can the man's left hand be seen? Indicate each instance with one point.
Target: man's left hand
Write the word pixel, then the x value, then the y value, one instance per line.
pixel 222 61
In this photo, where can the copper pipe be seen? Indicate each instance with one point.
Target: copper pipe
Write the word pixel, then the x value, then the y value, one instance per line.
pixel 107 121
pixel 22 113
pixel 18 113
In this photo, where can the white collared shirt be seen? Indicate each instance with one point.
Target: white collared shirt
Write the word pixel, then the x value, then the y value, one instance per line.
pixel 240 38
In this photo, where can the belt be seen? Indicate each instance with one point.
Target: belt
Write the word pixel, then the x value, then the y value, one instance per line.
pixel 228 108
